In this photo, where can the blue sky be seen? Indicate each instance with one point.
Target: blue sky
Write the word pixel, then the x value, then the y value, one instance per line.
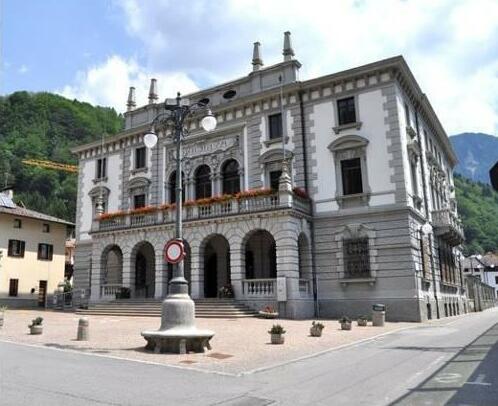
pixel 93 50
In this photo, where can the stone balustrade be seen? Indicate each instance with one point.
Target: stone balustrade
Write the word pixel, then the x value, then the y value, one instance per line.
pixel 232 206
pixel 447 225
pixel 109 291
pixel 259 288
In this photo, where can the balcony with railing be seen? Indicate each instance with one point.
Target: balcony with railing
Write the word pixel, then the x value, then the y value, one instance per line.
pixel 448 226
pixel 219 206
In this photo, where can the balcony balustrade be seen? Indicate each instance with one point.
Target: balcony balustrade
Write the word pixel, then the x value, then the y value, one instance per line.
pixel 447 225
pixel 194 211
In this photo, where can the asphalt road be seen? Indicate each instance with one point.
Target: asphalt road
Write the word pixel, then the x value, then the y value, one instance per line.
pixel 454 363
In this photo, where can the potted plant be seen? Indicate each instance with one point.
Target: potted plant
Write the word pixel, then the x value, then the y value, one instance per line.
pixel 345 323
pixel 36 326
pixel 277 334
pixel 2 314
pixel 268 313
pixel 362 321
pixel 316 329
pixel 226 292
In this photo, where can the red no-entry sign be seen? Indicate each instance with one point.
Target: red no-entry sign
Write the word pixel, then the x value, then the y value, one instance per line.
pixel 174 251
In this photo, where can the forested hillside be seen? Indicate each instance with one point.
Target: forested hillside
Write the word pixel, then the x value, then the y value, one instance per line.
pixel 46 126
pixel 478 207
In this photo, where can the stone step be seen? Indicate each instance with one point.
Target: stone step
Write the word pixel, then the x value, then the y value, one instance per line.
pixel 204 308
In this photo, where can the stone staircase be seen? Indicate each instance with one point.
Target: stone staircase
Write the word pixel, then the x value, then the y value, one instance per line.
pixel 204 308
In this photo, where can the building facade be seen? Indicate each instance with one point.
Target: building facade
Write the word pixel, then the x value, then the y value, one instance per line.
pixel 309 196
pixel 32 257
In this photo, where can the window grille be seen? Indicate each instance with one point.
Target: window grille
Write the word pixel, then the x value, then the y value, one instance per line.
pixel 356 258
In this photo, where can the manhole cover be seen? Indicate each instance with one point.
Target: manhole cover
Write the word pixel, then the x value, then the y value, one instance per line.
pixel 219 355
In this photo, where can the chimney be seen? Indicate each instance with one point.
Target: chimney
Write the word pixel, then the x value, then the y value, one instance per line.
pixel 257 62
pixel 153 91
pixel 288 51
pixel 131 104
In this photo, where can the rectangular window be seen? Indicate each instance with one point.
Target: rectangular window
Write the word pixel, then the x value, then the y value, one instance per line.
pixel 275 125
pixel 45 228
pixel 496 280
pixel 17 223
pixel 346 110
pixel 45 251
pixel 13 287
pixel 356 258
pixel 413 167
pixel 101 168
pixel 138 201
pixel 140 157
pixel 351 176
pixel 407 115
pixel 16 248
pixel 274 179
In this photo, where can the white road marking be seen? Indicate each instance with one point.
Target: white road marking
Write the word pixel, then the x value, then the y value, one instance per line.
pixel 479 381
pixel 448 377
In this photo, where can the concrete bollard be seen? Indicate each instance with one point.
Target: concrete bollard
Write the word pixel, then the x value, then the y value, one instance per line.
pixel 378 315
pixel 83 334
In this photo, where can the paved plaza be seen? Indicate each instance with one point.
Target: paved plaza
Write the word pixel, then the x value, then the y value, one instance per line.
pixel 239 346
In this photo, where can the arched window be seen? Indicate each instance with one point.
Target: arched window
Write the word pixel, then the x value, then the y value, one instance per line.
pixel 202 182
pixel 231 179
pixel 172 187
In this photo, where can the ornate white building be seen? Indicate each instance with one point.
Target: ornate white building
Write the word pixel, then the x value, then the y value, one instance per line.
pixel 369 164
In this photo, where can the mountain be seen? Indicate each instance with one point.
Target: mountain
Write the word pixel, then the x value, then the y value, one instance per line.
pixel 478 208
pixel 477 153
pixel 46 126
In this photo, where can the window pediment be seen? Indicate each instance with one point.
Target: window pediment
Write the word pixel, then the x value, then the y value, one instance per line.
pixel 97 190
pixel 139 182
pixel 275 155
pixel 348 142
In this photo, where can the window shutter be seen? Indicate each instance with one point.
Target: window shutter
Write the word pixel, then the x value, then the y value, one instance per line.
pixel 50 252
pixel 39 251
pixel 10 248
pixel 104 167
pixel 23 245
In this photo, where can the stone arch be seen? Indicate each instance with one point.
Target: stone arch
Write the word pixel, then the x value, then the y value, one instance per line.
pixel 203 181
pixel 143 263
pixel 111 265
pixel 259 254
pixel 230 176
pixel 214 258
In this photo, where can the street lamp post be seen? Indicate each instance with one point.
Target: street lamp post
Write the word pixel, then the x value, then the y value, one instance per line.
pixel 178 333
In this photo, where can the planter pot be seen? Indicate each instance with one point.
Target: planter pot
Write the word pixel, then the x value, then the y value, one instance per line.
pixel 266 315
pixel 277 339
pixel 346 326
pixel 362 323
pixel 35 330
pixel 316 331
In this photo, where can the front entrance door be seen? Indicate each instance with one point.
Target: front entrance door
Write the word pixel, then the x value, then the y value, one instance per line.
pixel 141 276
pixel 42 293
pixel 211 276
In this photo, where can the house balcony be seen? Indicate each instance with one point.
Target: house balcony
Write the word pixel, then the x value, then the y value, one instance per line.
pixel 220 206
pixel 448 226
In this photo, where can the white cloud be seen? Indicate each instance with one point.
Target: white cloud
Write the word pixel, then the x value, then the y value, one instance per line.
pixel 451 47
pixel 107 84
pixel 22 69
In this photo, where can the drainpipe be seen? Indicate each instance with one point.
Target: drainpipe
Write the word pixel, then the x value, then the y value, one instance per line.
pixel 426 205
pixel 312 210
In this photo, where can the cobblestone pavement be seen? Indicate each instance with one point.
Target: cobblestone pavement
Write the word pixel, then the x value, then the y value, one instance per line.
pixel 240 345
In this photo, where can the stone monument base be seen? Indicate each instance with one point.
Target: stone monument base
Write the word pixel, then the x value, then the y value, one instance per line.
pixel 178 340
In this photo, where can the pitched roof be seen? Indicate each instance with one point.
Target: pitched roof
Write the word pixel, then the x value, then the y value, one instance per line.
pixel 7 206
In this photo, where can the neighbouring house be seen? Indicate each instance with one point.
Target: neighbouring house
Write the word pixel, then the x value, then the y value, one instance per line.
pixel 330 194
pixel 485 267
pixel 69 258
pixel 32 257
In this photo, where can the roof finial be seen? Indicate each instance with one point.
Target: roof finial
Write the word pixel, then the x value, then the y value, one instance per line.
pixel 131 104
pixel 257 62
pixel 288 51
pixel 153 91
